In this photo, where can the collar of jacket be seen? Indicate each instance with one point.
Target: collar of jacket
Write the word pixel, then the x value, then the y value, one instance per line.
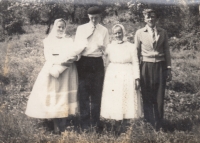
pixel 145 29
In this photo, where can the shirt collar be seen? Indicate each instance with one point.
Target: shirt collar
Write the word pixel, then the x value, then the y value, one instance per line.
pixel 91 25
pixel 147 28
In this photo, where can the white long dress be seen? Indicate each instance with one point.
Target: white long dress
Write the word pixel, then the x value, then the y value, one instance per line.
pixel 120 99
pixel 54 97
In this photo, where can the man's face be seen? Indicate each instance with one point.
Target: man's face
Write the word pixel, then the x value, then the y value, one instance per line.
pixel 94 19
pixel 150 19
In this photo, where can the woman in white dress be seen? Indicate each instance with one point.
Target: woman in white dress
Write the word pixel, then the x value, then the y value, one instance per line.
pixel 55 96
pixel 120 99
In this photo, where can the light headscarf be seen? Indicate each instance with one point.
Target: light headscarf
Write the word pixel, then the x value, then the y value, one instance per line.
pixel 123 30
pixel 53 32
pixel 49 41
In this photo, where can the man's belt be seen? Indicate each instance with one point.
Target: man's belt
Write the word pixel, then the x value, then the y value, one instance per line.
pixel 153 56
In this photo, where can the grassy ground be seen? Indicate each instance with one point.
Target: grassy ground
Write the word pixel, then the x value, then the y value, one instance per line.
pixel 21 58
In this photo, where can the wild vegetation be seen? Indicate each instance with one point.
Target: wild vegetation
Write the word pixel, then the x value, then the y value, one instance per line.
pixel 21 59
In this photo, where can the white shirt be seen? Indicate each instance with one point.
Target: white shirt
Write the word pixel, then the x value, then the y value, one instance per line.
pixel 100 37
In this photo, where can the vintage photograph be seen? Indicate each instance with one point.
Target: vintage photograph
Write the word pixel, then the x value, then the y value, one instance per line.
pixel 99 71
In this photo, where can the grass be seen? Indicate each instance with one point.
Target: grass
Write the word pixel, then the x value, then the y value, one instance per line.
pixel 21 58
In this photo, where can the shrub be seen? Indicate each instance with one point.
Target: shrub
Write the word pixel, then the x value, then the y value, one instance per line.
pixel 12 18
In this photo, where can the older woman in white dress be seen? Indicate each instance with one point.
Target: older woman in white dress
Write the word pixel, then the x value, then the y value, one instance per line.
pixel 120 99
pixel 55 97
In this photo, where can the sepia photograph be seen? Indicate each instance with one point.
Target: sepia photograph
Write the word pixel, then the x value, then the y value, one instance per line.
pixel 99 71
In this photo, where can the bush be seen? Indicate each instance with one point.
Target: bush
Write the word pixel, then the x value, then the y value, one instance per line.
pixel 12 18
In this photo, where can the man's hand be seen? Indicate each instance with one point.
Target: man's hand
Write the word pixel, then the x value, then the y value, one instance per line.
pixel 137 84
pixel 66 64
pixel 169 75
pixel 69 61
pixel 72 59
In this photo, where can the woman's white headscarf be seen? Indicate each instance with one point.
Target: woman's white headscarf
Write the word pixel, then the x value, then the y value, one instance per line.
pixel 123 30
pixel 54 32
pixel 49 41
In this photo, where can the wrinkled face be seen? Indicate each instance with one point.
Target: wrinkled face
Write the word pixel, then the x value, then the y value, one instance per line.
pixel 60 27
pixel 150 19
pixel 118 33
pixel 94 19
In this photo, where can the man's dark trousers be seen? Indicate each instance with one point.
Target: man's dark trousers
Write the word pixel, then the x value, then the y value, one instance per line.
pixel 153 82
pixel 90 76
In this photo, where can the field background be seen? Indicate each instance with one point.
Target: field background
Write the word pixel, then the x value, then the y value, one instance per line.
pixel 21 58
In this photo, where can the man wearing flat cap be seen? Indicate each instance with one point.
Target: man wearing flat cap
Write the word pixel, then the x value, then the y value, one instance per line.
pixel 155 67
pixel 93 37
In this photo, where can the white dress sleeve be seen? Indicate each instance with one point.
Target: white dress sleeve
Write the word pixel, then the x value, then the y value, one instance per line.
pixel 47 51
pixel 135 61
pixel 50 48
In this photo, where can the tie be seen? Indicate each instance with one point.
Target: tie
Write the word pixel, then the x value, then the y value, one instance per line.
pixel 153 34
pixel 92 31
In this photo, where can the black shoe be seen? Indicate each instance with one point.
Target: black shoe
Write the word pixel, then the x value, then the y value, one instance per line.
pixel 158 126
pixel 85 127
pixel 57 132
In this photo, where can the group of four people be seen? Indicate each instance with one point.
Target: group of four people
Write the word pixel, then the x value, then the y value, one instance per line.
pixel 61 89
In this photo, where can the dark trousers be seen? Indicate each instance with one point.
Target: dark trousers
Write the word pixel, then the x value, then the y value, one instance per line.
pixel 153 82
pixel 90 76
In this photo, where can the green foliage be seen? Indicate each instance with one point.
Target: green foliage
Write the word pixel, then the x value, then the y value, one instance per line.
pixel 175 16
pixel 11 17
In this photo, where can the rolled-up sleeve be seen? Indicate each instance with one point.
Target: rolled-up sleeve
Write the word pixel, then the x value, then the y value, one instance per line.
pixel 106 40
pixel 79 41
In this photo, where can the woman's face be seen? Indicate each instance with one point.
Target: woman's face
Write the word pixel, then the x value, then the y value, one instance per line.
pixel 60 27
pixel 118 33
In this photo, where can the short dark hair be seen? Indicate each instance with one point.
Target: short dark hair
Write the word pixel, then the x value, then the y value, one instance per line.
pixel 149 10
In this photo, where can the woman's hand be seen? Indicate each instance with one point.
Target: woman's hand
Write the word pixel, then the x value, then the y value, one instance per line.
pixel 137 84
pixel 72 59
pixel 101 48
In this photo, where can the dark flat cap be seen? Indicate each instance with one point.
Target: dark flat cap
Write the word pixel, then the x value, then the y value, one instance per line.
pixel 149 10
pixel 94 10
